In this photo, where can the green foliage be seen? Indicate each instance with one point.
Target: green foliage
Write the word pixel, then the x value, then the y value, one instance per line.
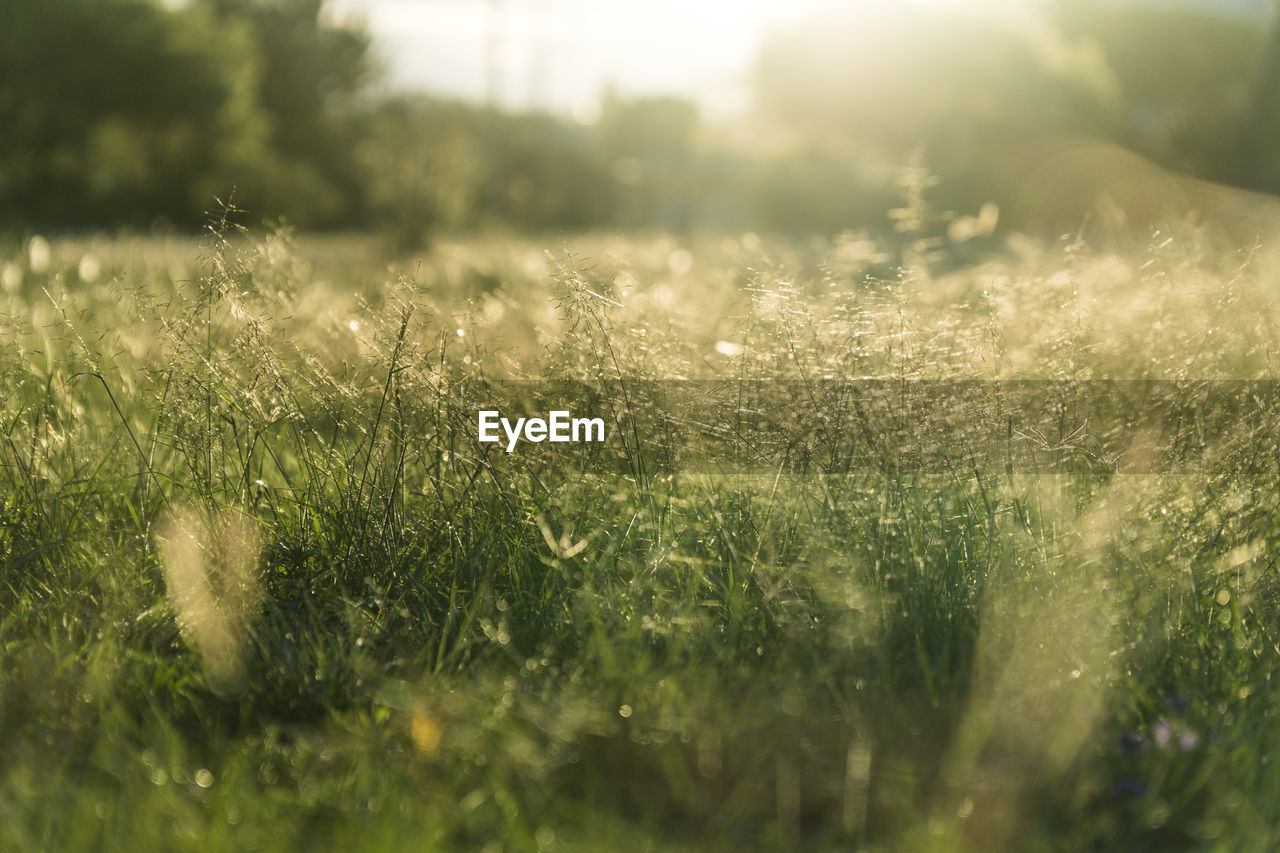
pixel 993 97
pixel 110 108
pixel 309 74
pixel 124 111
pixel 433 164
pixel 1186 80
pixel 449 166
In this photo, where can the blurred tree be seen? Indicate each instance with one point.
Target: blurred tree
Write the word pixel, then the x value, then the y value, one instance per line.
pixel 890 79
pixel 422 167
pixel 648 144
pixel 110 107
pixel 649 128
pixel 994 97
pixel 1185 77
pixel 981 92
pixel 311 69
pixel 540 172
pixel 437 164
pixel 1259 166
pixel 122 111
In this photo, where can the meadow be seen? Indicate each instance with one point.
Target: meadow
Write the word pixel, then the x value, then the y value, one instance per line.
pixel 261 587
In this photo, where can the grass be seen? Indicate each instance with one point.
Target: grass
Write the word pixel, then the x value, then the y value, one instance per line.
pixel 262 589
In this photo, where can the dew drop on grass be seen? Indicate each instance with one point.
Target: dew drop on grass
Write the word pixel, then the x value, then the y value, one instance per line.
pixel 729 349
pixel 680 262
pixel 11 278
pixel 89 269
pixel 473 801
pixel 39 254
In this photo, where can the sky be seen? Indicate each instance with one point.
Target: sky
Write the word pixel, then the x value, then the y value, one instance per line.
pixel 561 54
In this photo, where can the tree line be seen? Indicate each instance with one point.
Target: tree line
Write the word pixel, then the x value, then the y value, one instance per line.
pixel 137 112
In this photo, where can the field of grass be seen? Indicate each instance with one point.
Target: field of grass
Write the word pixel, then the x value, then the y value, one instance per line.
pixel 261 588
